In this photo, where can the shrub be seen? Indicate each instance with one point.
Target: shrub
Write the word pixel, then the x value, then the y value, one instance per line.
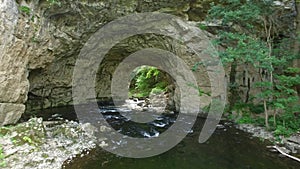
pixel 281 130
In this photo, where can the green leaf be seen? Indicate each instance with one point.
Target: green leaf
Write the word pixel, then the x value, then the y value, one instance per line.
pixel 25 9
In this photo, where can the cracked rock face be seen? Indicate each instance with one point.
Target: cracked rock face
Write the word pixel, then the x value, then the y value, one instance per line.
pixel 13 77
pixel 40 43
pixel 70 26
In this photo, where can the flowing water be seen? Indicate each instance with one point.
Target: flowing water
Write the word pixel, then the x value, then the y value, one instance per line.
pixel 228 148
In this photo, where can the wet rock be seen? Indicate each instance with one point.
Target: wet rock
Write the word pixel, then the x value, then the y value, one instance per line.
pixel 295 139
pixel 256 131
pixel 289 145
pixel 89 129
pixel 293 143
pixel 45 147
pixel 159 124
pixel 220 126
pixel 105 129
pixel 292 147
pixel 103 144
pixel 158 100
pixel 285 150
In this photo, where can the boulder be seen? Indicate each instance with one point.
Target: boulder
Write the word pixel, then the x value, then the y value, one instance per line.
pixel 10 113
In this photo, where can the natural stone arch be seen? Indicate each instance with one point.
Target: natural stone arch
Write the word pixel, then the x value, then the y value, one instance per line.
pixel 51 87
pixel 95 49
pixel 194 39
pixel 51 84
pixel 123 49
pixel 45 43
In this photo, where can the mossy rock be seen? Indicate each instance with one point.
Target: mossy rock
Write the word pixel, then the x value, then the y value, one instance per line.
pixel 31 132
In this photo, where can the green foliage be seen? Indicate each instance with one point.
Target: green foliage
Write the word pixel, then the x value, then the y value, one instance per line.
pixel 31 132
pixel 242 16
pixel 283 131
pixel 246 119
pixel 147 79
pixel 285 97
pixel 287 123
pixel 248 35
pixel 4 130
pixel 157 90
pixel 2 162
pixel 256 108
pixel 30 139
pixel 242 48
pixel 27 139
pixel 248 108
pixel 25 9
pixel 292 70
pixel 202 26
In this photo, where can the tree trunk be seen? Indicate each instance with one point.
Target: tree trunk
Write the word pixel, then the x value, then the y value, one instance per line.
pixel 296 62
pixel 266 115
pixel 274 115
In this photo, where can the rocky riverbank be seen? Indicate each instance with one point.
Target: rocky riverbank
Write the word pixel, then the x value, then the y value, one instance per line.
pixel 50 144
pixel 290 145
pixel 44 145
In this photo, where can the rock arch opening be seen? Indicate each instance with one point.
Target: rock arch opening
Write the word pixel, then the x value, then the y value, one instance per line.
pixel 52 86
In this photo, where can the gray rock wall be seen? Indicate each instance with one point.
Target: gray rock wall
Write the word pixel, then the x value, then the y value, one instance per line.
pixel 13 77
pixel 40 42
pixel 70 26
pixel 19 54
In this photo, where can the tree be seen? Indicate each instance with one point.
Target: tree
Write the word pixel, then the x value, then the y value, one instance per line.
pixel 251 33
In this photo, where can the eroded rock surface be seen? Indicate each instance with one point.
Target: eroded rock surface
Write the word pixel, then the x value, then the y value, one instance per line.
pixel 40 42
pixel 13 77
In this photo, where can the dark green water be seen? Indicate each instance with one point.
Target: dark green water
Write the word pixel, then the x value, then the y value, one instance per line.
pixel 228 148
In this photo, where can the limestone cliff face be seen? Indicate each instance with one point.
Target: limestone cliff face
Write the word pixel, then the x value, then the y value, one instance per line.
pixel 67 27
pixel 19 55
pixel 13 75
pixel 40 42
